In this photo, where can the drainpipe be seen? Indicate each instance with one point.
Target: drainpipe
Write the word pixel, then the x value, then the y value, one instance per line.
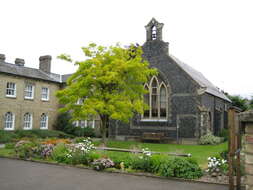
pixel 178 132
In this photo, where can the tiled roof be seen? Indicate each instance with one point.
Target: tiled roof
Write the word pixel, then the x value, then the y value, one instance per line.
pixel 201 80
pixel 28 72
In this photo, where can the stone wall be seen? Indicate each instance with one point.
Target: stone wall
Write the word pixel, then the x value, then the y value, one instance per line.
pixel 246 119
pixel 19 105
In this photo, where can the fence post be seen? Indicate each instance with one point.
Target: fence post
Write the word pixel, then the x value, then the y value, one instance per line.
pixel 231 146
pixel 246 119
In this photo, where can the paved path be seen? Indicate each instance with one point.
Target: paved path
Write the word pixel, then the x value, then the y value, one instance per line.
pixel 23 175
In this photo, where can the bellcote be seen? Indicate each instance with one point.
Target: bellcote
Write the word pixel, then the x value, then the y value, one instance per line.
pixel 154 30
pixel 154 45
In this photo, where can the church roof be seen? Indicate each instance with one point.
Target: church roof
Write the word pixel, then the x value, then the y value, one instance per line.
pixel 200 79
pixel 28 72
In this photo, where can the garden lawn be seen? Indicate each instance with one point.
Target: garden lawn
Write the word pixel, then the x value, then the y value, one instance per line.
pixel 7 152
pixel 199 152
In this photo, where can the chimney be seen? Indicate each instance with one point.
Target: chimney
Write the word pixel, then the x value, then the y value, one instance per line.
pixel 45 63
pixel 19 62
pixel 2 58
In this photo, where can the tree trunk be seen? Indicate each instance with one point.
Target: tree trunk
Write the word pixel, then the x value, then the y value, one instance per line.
pixel 104 126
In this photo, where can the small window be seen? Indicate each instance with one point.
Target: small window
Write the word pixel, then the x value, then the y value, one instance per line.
pixel 154 33
pixel 84 123
pixel 45 93
pixel 11 89
pixel 29 91
pixel 43 121
pixel 9 120
pixel 28 121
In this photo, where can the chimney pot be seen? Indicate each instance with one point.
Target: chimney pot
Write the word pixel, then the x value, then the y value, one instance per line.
pixel 45 63
pixel 20 62
pixel 2 58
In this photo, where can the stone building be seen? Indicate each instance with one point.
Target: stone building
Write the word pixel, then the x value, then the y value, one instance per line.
pixel 183 103
pixel 27 95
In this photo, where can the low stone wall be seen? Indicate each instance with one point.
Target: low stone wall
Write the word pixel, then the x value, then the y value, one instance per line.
pixel 246 119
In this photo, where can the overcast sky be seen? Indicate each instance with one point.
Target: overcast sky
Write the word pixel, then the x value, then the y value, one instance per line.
pixel 213 36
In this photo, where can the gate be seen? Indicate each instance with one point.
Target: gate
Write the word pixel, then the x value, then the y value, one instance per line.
pixel 234 149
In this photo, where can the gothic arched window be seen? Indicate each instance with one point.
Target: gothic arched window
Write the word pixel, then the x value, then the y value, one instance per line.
pixel 156 99
pixel 153 33
pixel 163 101
pixel 146 101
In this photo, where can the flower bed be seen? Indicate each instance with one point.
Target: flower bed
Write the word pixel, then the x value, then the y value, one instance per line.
pixel 83 152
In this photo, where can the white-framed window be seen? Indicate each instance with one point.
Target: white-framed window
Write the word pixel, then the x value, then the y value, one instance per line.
pixel 45 93
pixel 84 123
pixel 11 89
pixel 29 91
pixel 157 100
pixel 43 121
pixel 9 121
pixel 28 121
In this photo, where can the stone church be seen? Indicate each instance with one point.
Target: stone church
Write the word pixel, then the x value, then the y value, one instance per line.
pixel 183 104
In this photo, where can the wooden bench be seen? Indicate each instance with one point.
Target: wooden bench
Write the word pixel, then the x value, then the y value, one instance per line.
pixel 153 136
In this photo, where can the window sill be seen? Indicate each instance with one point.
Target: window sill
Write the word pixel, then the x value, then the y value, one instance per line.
pixel 154 120
pixel 9 129
pixel 45 100
pixel 27 128
pixel 27 98
pixel 43 128
pixel 10 96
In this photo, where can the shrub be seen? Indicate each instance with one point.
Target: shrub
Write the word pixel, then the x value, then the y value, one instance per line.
pixel 10 145
pixel 209 139
pixel 121 159
pixel 142 161
pixel 156 161
pixel 63 123
pixel 180 167
pixel 60 153
pixel 25 149
pixel 7 136
pixel 224 154
pixel 38 133
pixel 102 163
pixel 84 132
pixel 216 165
pixel 224 134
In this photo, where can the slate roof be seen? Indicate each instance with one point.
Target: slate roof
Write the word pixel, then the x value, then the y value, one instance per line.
pixel 200 79
pixel 28 72
pixel 65 77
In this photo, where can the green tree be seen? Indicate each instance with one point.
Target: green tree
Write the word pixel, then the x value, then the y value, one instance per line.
pixel 251 103
pixel 110 83
pixel 239 102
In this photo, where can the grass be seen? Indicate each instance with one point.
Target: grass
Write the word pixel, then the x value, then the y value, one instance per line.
pixel 199 152
pixel 7 152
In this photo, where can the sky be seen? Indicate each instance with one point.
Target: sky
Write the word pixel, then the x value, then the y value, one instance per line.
pixel 213 36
